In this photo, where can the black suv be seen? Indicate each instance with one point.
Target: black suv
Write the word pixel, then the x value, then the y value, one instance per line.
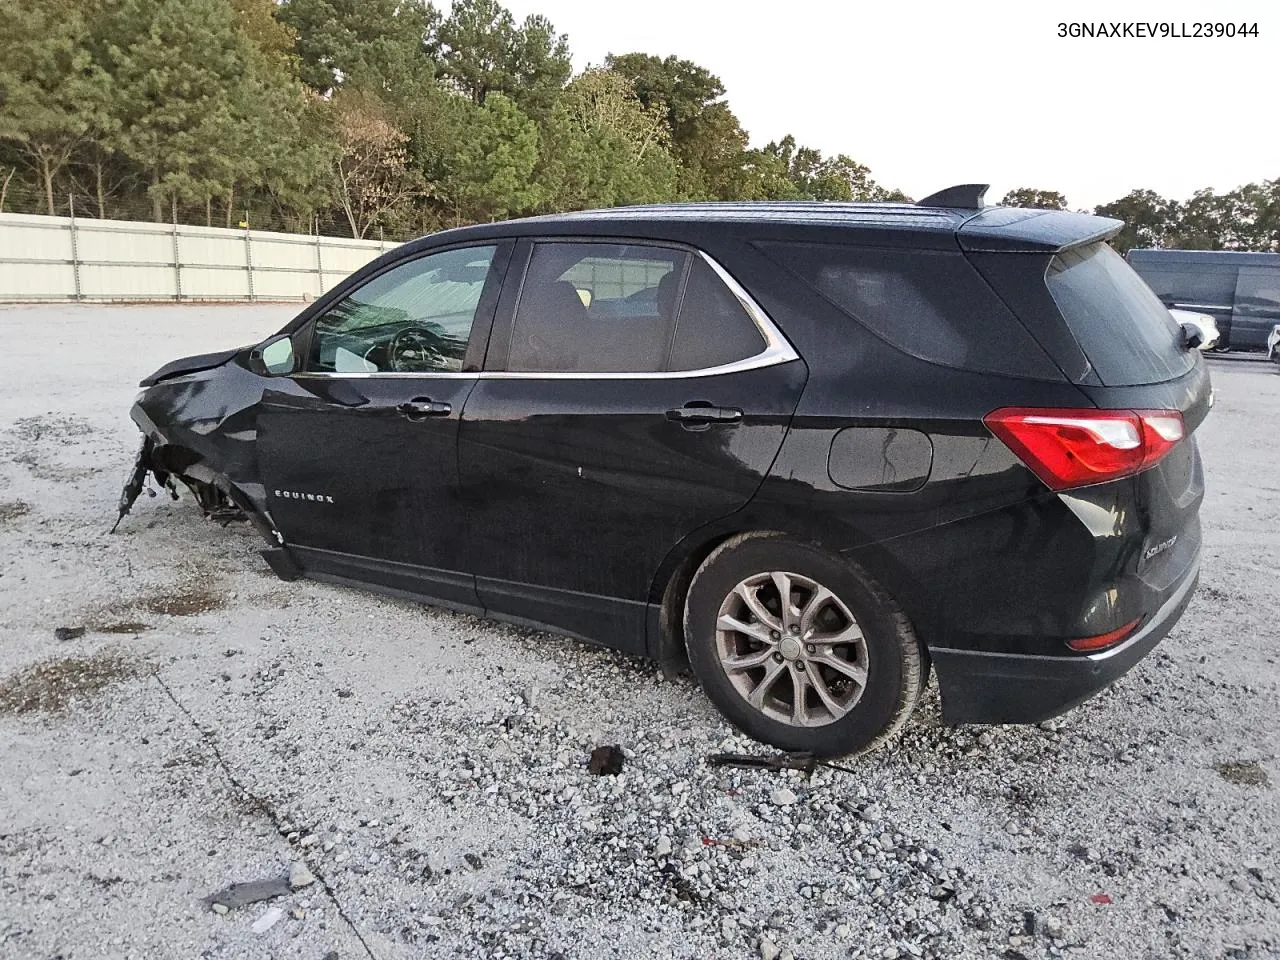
pixel 818 447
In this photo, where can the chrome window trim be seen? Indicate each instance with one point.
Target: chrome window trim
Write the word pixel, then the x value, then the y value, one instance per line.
pixel 777 350
pixel 378 374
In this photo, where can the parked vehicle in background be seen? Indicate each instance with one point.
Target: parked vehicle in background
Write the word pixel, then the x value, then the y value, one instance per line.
pixel 821 447
pixel 1241 291
pixel 1208 327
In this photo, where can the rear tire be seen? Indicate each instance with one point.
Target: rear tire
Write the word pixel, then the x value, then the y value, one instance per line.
pixel 837 671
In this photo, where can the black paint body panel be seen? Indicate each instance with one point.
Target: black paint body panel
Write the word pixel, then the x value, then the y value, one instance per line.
pixel 585 485
pixel 394 497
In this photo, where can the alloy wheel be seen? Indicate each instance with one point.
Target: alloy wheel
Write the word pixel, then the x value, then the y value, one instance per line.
pixel 792 649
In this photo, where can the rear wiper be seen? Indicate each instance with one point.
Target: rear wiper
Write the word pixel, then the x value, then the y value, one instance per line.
pixel 1192 336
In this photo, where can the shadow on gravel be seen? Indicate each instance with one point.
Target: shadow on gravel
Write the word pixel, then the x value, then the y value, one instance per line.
pixel 55 685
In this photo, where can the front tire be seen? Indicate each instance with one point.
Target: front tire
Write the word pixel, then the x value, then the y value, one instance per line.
pixel 800 649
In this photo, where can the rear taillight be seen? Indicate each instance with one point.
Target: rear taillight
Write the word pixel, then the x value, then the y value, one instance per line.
pixel 1073 448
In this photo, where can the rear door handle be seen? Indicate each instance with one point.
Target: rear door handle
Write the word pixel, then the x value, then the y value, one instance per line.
pixel 419 408
pixel 700 415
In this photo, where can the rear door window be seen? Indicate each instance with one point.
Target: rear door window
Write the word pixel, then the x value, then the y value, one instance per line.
pixel 626 308
pixel 596 308
pixel 1122 327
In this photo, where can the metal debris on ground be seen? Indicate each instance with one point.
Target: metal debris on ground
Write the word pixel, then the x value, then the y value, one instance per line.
pixel 806 762
pixel 254 891
pixel 606 761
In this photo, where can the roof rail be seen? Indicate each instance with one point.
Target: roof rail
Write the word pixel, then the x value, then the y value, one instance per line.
pixel 965 196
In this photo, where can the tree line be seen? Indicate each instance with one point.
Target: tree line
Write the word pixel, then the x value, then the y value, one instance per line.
pixel 387 117
pixel 362 114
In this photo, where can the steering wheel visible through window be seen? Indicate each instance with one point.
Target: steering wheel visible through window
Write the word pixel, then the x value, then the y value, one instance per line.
pixel 414 318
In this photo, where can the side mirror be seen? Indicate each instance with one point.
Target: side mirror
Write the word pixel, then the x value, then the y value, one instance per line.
pixel 273 357
pixel 1192 336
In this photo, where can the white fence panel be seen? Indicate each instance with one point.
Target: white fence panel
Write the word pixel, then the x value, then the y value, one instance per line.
pixel 109 241
pixel 58 258
pixel 117 281
pixel 35 256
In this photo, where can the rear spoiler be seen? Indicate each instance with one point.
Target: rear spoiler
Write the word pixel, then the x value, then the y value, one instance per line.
pixel 1015 230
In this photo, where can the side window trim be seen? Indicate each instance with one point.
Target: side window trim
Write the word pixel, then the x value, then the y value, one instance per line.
pixel 481 328
pixel 777 348
pixel 681 291
pixel 504 317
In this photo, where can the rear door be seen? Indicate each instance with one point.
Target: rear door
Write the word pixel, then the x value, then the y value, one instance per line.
pixel 358 449
pixel 633 393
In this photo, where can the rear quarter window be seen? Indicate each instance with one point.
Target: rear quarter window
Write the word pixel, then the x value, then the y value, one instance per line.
pixel 713 328
pixel 930 304
pixel 1120 324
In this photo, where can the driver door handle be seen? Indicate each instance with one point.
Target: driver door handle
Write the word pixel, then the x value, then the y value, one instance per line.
pixel 419 408
pixel 698 414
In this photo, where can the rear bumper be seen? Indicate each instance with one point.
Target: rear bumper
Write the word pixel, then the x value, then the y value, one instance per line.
pixel 982 687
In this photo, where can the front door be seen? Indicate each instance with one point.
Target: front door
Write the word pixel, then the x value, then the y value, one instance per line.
pixel 358 449
pixel 638 395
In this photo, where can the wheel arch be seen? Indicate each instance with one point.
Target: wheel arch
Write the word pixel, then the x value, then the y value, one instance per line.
pixel 666 640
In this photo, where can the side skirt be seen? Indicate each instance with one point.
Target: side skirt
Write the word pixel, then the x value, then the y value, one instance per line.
pixel 445 587
pixel 615 623
pixel 602 621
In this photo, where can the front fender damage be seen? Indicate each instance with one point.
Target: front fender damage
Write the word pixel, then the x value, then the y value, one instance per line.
pixel 218 498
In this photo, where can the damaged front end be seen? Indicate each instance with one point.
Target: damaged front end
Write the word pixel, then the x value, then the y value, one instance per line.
pixel 200 430
pixel 198 418
pixel 164 462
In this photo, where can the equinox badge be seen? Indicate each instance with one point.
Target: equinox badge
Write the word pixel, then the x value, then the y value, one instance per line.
pixel 295 495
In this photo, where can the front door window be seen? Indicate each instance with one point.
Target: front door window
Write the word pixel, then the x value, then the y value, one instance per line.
pixel 415 318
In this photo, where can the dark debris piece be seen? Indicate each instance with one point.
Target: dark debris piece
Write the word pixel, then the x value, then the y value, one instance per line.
pixel 68 633
pixel 606 761
pixel 255 891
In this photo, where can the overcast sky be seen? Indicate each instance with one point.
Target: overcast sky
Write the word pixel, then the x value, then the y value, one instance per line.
pixel 932 94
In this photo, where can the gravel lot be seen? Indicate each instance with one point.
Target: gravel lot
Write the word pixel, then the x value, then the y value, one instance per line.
pixel 216 725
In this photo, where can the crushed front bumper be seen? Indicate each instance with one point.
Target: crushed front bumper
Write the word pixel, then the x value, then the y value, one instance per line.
pixel 981 687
